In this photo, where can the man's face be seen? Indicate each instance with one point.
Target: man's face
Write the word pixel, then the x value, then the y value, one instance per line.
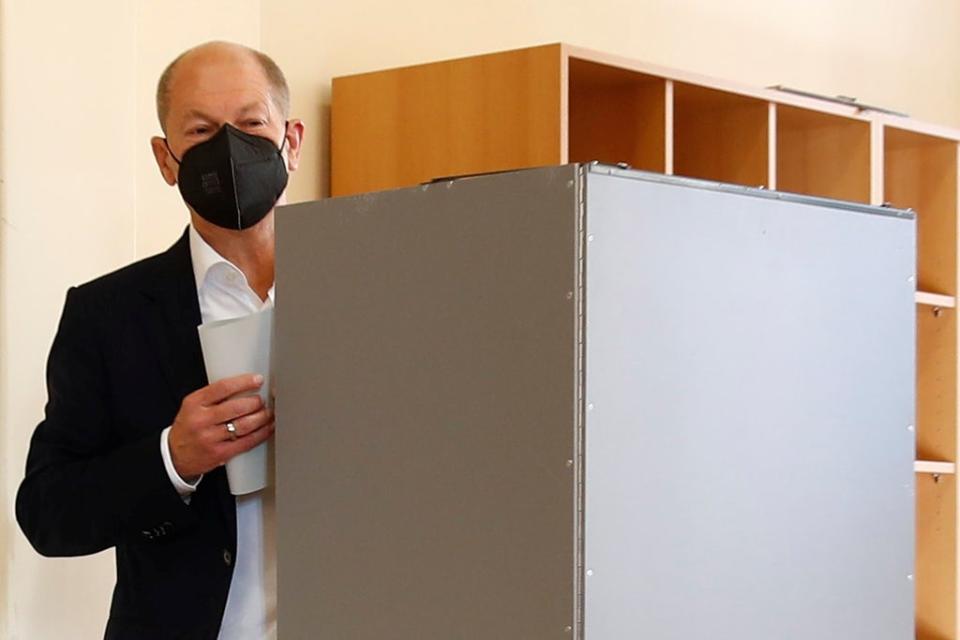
pixel 212 87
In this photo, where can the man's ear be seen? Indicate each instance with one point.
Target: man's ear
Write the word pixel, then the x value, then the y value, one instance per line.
pixel 168 166
pixel 294 143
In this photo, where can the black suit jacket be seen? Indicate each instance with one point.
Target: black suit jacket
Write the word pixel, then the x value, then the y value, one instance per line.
pixel 125 355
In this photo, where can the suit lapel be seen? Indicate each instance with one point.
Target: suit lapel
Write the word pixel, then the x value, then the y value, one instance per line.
pixel 173 315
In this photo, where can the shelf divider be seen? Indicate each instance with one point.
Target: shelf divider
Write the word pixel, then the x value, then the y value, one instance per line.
pixel 936 467
pixel 936 300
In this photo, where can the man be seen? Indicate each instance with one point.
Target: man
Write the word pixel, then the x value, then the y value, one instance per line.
pixel 130 452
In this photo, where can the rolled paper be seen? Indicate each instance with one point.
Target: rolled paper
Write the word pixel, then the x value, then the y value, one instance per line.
pixel 235 347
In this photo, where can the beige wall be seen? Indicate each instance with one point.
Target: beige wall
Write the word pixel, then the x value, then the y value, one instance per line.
pixel 56 230
pixel 79 194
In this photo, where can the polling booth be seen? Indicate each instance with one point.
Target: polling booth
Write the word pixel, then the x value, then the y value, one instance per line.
pixel 589 402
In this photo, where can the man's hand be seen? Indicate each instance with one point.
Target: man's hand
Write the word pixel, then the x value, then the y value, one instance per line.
pixel 199 440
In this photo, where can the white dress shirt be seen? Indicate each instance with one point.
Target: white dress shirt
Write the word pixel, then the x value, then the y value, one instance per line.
pixel 250 614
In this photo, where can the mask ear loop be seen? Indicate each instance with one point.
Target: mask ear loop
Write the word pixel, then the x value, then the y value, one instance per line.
pixel 283 143
pixel 167 145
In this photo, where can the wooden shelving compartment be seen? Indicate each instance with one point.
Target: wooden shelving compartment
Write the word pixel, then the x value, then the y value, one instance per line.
pixel 823 154
pixel 936 495
pixel 936 383
pixel 920 173
pixel 936 569
pixel 718 135
pixel 617 115
pixel 472 115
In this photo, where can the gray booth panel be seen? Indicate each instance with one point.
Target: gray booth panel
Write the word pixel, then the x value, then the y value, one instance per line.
pixel 425 408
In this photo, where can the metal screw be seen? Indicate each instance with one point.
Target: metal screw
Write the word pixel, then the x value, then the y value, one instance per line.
pixel 590 238
pixel 569 186
pixel 569 295
pixel 567 629
pixel 912 279
pixel 569 463
pixel 589 572
pixel 590 407
pixel 910 428
pixel 910 577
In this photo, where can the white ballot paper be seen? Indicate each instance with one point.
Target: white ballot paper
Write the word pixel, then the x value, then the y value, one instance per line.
pixel 231 348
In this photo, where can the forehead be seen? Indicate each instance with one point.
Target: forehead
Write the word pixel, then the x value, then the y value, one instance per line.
pixel 217 83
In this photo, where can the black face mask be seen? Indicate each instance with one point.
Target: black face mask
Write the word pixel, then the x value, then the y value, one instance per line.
pixel 233 179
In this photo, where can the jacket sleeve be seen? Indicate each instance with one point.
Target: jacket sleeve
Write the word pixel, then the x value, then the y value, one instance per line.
pixel 85 488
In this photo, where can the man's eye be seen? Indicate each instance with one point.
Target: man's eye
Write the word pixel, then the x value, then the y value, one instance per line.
pixel 199 131
pixel 254 123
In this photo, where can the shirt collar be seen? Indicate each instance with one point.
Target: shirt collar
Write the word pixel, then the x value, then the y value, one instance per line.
pixel 204 257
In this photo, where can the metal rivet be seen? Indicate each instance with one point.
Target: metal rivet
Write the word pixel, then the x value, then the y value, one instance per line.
pixel 912 279
pixel 910 577
pixel 910 428
pixel 569 295
pixel 590 407
pixel 590 238
pixel 569 463
pixel 227 557
pixel 589 572
pixel 567 629
pixel 569 186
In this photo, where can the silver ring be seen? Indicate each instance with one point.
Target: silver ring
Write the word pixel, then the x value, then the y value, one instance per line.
pixel 231 429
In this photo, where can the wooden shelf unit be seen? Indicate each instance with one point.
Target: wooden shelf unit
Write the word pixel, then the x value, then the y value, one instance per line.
pixel 600 94
pixel 718 135
pixel 823 154
pixel 936 300
pixel 558 103
pixel 920 172
pixel 936 383
pixel 934 467
pixel 936 570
